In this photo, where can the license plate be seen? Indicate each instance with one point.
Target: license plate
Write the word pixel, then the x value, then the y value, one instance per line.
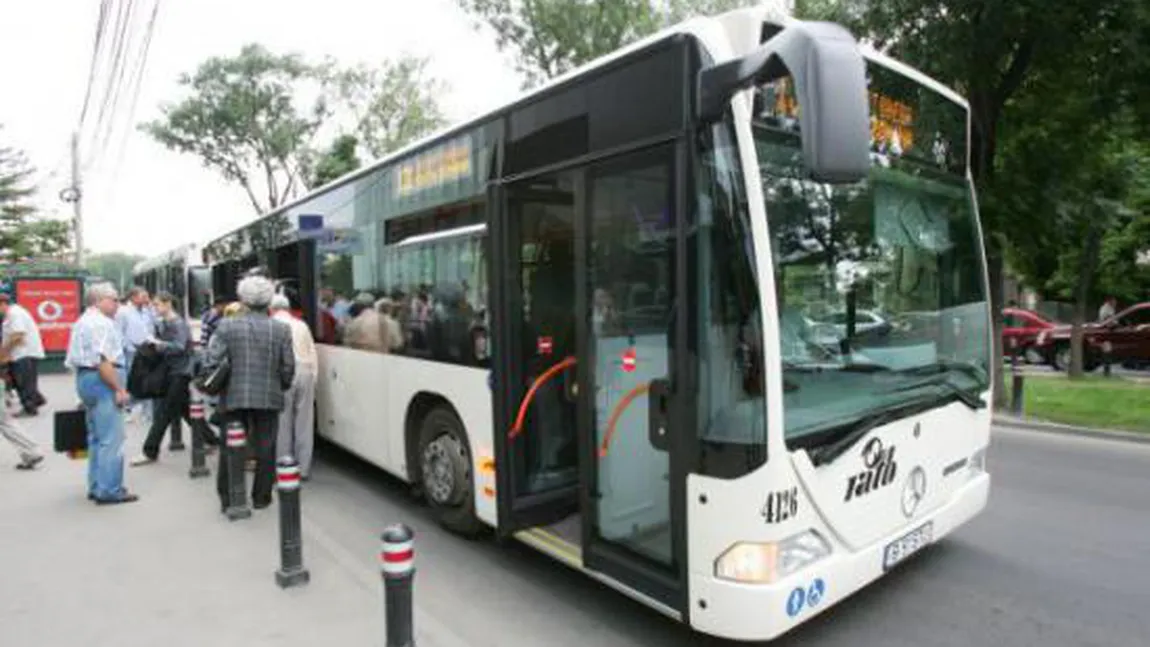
pixel 907 545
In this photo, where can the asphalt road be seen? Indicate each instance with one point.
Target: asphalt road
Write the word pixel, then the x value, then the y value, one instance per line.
pixel 1060 557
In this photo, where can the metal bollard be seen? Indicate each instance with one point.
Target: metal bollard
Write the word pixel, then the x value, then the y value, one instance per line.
pixel 397 563
pixel 199 466
pixel 291 571
pixel 237 493
pixel 1016 393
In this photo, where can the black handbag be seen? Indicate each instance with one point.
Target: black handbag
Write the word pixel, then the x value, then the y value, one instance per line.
pixel 214 380
pixel 70 431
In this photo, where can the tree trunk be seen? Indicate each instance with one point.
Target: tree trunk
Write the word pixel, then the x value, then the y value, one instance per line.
pixel 1087 265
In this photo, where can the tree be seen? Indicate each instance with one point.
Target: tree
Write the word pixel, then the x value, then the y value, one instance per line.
pixel 550 37
pixel 339 160
pixel 241 119
pixel 113 266
pixel 993 51
pixel 391 104
pixel 24 236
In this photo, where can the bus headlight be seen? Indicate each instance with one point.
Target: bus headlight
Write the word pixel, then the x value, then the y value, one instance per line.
pixel 766 562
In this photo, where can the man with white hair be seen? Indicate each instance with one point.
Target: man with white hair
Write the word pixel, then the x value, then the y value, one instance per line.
pixel 262 367
pixel 297 420
pixel 96 353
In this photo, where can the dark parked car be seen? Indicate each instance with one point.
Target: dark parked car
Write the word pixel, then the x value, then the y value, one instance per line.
pixel 1128 333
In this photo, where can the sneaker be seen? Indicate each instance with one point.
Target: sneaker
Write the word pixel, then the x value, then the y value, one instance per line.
pixel 124 497
pixel 31 463
pixel 142 459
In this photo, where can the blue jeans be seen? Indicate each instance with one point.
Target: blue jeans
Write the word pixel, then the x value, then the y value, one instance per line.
pixel 105 436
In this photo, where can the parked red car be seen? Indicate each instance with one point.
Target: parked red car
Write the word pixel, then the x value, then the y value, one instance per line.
pixel 1128 333
pixel 1022 328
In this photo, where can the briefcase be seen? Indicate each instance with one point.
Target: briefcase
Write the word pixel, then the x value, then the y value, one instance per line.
pixel 71 431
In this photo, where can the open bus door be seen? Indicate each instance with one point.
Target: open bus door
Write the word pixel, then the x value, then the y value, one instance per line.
pixel 590 436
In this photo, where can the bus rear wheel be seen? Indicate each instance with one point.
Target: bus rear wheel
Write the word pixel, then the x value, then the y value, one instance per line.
pixel 445 472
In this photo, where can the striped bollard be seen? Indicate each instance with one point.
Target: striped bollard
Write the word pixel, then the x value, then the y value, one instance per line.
pixel 199 466
pixel 397 562
pixel 291 571
pixel 237 493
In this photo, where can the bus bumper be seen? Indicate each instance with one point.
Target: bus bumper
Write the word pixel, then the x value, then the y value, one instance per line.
pixel 762 612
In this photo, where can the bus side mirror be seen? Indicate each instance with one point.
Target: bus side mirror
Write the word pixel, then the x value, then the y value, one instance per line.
pixel 829 76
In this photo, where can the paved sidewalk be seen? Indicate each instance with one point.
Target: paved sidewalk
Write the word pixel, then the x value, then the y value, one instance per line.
pixel 168 570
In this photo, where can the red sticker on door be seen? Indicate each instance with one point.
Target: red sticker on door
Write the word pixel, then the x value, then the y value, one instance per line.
pixel 629 360
pixel 544 345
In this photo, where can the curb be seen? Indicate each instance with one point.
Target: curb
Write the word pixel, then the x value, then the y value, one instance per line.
pixel 1068 430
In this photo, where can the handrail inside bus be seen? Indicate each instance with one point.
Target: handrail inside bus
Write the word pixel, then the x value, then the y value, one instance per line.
pixel 516 428
pixel 617 412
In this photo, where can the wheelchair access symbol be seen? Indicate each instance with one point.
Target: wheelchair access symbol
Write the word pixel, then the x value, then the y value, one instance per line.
pixel 810 596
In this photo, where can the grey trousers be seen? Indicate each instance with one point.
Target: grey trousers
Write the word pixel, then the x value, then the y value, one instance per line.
pixel 24 445
pixel 296 436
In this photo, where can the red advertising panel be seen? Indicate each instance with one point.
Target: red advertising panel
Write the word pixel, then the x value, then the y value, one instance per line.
pixel 54 305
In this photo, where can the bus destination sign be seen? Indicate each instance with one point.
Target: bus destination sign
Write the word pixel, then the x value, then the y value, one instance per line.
pixel 444 163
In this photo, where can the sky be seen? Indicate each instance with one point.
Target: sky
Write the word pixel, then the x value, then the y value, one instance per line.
pixel 148 199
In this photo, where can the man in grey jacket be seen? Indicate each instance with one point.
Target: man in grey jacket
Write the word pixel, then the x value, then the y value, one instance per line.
pixel 262 366
pixel 173 343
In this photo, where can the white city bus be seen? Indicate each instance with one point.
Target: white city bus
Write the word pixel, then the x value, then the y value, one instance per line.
pixel 180 272
pixel 606 289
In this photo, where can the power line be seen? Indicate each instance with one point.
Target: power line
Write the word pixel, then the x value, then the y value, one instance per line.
pixel 136 84
pixel 101 27
pixel 115 58
pixel 119 87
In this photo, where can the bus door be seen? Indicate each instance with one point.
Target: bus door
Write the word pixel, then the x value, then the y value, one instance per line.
pixel 534 342
pixel 585 340
pixel 633 529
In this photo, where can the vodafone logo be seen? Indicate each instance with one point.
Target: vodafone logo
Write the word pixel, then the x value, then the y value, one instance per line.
pixel 49 310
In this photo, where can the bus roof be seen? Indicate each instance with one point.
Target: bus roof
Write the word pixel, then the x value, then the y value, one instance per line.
pixel 731 22
pixel 188 253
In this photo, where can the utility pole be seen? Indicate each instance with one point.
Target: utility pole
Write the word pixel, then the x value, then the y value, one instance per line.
pixel 73 194
pixel 78 221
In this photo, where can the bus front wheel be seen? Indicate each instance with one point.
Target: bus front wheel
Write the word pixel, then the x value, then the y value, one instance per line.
pixel 445 471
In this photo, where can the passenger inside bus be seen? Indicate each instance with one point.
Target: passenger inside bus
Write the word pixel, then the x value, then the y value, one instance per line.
pixel 549 338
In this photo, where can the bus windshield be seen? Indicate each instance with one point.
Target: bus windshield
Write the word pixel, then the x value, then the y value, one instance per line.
pixel 880 284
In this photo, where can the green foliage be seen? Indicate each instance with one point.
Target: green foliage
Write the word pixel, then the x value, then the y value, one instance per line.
pixel 22 234
pixel 392 104
pixel 241 118
pixel 550 37
pixel 338 160
pixel 113 266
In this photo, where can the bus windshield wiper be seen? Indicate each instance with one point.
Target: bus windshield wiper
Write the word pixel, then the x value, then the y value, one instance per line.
pixel 964 396
pixel 832 450
pixel 864 425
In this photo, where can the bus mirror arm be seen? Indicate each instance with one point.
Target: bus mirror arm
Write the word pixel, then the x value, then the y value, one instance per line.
pixel 829 76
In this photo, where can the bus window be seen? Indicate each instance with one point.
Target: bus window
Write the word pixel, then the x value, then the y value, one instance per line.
pixel 732 408
pixel 433 284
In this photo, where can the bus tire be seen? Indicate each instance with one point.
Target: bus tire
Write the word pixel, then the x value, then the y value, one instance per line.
pixel 446 473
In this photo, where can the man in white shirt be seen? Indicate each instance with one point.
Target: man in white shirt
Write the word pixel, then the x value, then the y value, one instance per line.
pixel 1108 309
pixel 136 326
pixel 296 436
pixel 24 349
